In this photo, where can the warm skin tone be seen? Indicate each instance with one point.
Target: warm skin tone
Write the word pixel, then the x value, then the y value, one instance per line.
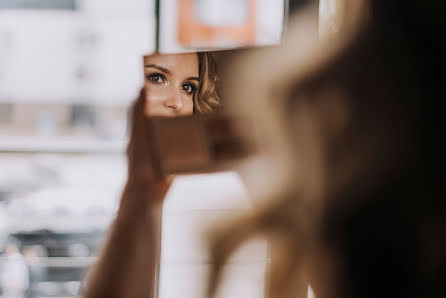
pixel 127 264
pixel 170 82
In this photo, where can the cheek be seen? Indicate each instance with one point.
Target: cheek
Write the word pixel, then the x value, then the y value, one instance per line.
pixel 149 108
pixel 155 93
pixel 155 96
pixel 188 108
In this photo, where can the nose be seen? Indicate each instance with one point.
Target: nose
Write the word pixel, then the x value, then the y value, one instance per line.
pixel 174 102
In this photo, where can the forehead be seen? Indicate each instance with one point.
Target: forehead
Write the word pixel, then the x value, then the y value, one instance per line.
pixel 186 63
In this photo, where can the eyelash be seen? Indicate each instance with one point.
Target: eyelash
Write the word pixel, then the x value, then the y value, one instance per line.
pixel 153 78
pixel 193 88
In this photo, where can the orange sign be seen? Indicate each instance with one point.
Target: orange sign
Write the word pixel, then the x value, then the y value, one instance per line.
pixel 204 25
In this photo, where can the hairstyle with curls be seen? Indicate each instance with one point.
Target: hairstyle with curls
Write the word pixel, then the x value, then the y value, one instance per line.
pixel 206 99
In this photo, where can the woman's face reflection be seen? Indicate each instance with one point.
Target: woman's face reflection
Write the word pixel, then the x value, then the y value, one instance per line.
pixel 170 82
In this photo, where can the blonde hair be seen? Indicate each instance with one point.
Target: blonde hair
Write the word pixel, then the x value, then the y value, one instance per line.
pixel 352 126
pixel 206 99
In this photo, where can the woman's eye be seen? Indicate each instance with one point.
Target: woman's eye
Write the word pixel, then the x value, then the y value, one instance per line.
pixel 156 78
pixel 189 88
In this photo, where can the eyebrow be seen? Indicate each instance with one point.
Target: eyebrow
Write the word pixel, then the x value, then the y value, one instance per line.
pixel 194 79
pixel 165 70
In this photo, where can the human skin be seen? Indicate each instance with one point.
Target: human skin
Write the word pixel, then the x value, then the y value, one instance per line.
pixel 127 264
pixel 170 82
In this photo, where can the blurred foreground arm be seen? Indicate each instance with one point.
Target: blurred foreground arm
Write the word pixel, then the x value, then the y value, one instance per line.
pixel 127 264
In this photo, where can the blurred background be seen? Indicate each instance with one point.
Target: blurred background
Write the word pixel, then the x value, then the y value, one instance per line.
pixel 68 71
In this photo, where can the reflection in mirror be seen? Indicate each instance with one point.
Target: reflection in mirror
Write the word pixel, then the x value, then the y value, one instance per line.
pixel 181 84
pixel 188 85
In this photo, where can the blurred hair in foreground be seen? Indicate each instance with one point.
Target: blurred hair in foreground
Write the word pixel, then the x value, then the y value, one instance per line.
pixel 354 202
